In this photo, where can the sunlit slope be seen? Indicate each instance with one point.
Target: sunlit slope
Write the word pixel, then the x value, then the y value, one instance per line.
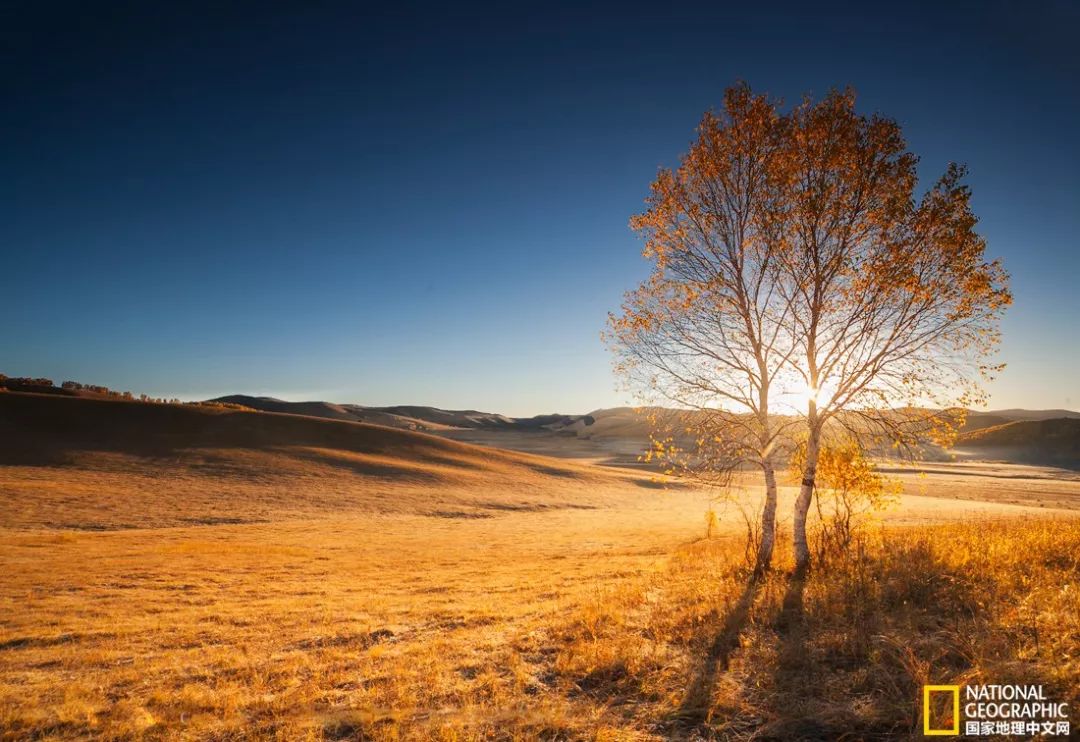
pixel 102 464
pixel 409 417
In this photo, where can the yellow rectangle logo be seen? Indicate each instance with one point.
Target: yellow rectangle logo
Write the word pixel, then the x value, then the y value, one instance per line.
pixel 928 729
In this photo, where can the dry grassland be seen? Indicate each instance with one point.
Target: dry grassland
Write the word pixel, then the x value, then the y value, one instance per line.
pixel 230 593
pixel 588 624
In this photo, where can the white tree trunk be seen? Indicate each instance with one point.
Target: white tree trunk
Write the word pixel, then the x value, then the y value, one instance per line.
pixel 768 520
pixel 802 502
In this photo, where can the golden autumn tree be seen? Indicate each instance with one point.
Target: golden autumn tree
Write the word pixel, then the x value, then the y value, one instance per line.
pixel 895 308
pixel 800 286
pixel 708 331
pixel 848 488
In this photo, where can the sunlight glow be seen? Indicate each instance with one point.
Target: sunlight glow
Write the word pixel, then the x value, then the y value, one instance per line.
pixel 805 394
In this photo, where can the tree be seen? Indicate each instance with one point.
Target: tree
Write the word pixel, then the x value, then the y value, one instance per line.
pixel 790 250
pixel 895 308
pixel 708 331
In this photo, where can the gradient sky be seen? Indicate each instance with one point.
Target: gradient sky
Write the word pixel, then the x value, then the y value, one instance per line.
pixel 430 205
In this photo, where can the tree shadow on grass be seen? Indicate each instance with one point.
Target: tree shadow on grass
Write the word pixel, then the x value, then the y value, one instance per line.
pixel 851 663
pixel 794 687
pixel 795 669
pixel 791 627
pixel 693 713
pixel 853 644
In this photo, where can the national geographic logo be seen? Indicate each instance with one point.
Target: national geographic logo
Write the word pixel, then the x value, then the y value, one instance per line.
pixel 952 723
pixel 993 710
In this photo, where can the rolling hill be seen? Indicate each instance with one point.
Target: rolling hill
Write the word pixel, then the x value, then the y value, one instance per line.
pixel 102 464
pixel 1016 413
pixel 617 435
pixel 1053 442
pixel 409 417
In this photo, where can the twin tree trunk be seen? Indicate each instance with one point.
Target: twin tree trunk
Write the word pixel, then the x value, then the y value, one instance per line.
pixel 802 503
pixel 768 520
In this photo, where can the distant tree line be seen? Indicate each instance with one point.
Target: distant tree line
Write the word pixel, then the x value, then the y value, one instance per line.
pixel 47 386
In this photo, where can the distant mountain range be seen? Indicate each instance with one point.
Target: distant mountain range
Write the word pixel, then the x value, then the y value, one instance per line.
pixel 409 417
pixel 1045 437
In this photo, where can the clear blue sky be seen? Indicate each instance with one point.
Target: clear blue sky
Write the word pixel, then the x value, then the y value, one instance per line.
pixel 430 205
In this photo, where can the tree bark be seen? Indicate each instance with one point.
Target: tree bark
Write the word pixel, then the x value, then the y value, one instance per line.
pixel 768 520
pixel 802 502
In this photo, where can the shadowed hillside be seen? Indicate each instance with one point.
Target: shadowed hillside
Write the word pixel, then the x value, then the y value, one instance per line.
pixel 45 428
pixel 1047 442
pixel 90 463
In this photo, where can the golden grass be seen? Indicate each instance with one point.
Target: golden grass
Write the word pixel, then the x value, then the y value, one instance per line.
pixel 98 491
pixel 587 625
pixel 228 576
